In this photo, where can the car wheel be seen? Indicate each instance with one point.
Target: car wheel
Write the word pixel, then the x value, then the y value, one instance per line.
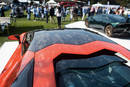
pixel 86 23
pixel 109 30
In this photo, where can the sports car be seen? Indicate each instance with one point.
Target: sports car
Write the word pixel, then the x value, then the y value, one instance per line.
pixel 110 23
pixel 66 58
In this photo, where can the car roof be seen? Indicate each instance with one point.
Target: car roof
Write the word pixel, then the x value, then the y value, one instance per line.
pixel 45 38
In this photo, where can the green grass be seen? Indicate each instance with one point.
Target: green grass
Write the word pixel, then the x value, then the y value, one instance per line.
pixel 23 25
pixel 3 39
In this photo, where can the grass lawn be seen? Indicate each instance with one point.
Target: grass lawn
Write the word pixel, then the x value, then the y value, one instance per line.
pixel 23 25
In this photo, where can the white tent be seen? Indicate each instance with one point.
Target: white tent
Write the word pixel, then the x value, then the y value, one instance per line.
pixel 97 5
pixel 3 3
pixel 51 3
pixel 23 0
pixel 107 6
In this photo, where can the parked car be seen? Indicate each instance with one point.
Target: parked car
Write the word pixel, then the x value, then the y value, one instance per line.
pixel 65 58
pixel 109 23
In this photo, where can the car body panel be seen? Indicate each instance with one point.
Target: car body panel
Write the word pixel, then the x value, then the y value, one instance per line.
pixel 47 66
pixel 12 68
pixel 26 76
pixel 44 75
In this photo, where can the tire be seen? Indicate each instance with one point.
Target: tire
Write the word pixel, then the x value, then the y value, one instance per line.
pixel 86 23
pixel 109 30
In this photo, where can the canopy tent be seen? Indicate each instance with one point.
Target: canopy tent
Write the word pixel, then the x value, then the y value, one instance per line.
pixel 107 6
pixel 23 0
pixel 51 3
pixel 3 3
pixel 98 5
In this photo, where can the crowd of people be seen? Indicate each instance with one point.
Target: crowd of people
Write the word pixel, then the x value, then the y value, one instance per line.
pixel 50 13
pixel 41 13
pixel 90 11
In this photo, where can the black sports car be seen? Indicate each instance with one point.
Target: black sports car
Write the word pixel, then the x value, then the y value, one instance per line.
pixel 109 23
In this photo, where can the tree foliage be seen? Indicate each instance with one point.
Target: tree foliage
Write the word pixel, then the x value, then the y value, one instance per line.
pixel 15 1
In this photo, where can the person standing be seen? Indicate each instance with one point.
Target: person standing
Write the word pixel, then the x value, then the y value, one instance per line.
pixel 63 13
pixel 46 10
pixel 84 11
pixel 92 11
pixel 42 12
pixel 2 14
pixel 71 14
pixel 52 14
pixel 75 13
pixel 29 12
pixel 35 12
pixel 38 12
pixel 88 10
pixel 58 15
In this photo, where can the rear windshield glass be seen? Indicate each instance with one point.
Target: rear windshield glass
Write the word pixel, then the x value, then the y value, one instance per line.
pixel 43 39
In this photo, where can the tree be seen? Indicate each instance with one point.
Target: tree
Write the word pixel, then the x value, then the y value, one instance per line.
pixel 15 1
pixel 103 1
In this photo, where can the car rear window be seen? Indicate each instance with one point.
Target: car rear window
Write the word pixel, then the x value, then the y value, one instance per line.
pixel 43 39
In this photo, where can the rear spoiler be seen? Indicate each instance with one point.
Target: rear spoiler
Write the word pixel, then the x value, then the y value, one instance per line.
pixel 14 37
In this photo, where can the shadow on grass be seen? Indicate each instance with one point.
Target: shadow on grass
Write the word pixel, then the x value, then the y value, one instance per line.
pixel 16 30
pixel 19 30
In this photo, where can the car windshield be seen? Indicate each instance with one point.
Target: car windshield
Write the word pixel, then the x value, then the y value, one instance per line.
pixel 117 18
pixel 114 73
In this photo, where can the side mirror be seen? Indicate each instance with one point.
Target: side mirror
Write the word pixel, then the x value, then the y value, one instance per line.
pixel 14 37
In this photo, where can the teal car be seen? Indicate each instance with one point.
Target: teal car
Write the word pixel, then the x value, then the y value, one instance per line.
pixel 111 24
